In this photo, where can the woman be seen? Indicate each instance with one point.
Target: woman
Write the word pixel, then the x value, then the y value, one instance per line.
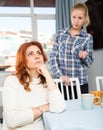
pixel 72 51
pixel 30 92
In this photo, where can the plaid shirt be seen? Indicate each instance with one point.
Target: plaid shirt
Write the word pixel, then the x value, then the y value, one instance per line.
pixel 64 59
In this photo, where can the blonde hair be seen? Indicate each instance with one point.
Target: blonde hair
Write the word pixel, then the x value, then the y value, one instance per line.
pixel 83 7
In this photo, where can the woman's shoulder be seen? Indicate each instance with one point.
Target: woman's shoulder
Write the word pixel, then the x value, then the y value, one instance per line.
pixel 89 36
pixel 10 82
pixel 11 79
pixel 84 33
pixel 63 30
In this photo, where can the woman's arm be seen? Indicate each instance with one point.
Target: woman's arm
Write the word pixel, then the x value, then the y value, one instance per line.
pixel 55 98
pixel 14 115
pixel 38 111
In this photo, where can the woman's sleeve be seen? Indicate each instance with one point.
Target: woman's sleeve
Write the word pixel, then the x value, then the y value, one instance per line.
pixel 53 58
pixel 56 101
pixel 13 116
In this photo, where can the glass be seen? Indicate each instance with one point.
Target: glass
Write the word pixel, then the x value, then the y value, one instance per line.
pixel 16 27
pixel 46 31
pixel 44 10
pixel 13 31
pixel 15 10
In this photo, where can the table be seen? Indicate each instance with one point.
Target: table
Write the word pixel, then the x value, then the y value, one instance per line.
pixel 75 118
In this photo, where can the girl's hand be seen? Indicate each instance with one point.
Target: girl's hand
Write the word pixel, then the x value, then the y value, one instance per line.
pixel 65 79
pixel 83 54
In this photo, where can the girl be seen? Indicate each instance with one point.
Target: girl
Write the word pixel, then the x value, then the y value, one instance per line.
pixel 72 51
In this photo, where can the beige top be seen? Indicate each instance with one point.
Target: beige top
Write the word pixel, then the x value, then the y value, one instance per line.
pixel 17 104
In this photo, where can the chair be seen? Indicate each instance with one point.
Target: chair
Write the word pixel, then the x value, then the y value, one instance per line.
pixel 99 82
pixel 74 82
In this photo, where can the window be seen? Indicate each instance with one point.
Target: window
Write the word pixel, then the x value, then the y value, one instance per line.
pixel 19 24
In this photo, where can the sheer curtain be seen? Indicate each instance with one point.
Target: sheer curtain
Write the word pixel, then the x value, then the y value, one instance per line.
pixel 63 8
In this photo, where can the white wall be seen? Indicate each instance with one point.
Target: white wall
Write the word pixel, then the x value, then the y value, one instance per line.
pixel 95 69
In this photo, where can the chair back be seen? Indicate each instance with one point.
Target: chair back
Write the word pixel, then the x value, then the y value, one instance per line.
pixel 74 82
pixel 99 83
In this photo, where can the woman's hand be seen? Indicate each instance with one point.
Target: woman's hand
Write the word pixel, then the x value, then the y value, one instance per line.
pixel 44 108
pixel 38 111
pixel 83 54
pixel 43 70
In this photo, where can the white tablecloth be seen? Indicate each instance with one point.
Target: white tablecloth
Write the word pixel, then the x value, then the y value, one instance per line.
pixel 74 118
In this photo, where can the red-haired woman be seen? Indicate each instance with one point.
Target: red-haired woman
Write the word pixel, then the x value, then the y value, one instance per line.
pixel 30 92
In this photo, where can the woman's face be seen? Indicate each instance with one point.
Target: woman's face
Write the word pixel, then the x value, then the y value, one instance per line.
pixel 77 18
pixel 34 57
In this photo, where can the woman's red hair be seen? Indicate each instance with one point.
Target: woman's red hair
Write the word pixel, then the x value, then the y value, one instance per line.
pixel 21 71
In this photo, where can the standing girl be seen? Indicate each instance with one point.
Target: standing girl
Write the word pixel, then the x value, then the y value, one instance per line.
pixel 72 51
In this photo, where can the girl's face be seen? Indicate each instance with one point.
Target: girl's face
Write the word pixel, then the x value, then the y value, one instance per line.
pixel 77 18
pixel 34 57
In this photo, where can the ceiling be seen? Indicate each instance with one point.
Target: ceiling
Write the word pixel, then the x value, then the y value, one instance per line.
pixel 26 3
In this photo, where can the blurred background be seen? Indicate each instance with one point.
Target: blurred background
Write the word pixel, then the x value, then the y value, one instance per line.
pixel 25 20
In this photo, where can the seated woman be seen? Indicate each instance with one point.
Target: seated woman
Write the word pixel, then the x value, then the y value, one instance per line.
pixel 30 91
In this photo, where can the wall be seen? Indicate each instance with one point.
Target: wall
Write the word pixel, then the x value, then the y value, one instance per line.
pixel 96 68
pixel 77 1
